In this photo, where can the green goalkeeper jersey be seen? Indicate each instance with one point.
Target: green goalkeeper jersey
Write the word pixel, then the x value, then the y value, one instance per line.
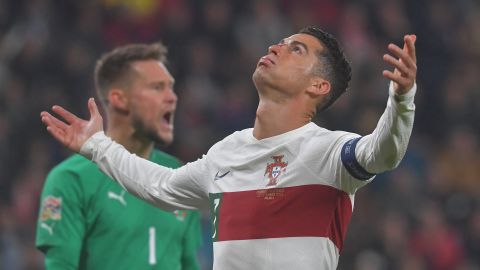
pixel 87 221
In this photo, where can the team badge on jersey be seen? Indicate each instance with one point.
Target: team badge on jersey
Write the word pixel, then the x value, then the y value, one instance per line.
pixel 51 209
pixel 180 214
pixel 275 169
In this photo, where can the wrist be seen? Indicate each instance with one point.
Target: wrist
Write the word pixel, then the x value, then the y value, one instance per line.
pixel 404 95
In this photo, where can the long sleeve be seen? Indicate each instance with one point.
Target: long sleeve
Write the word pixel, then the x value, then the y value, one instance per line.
pixel 169 189
pixel 385 147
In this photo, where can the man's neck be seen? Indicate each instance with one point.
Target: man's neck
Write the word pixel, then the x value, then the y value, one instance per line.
pixel 275 118
pixel 126 137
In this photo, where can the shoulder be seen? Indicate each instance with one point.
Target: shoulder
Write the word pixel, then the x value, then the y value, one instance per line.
pixel 74 165
pixel 316 134
pixel 318 142
pixel 237 138
pixel 71 171
pixel 233 141
pixel 165 159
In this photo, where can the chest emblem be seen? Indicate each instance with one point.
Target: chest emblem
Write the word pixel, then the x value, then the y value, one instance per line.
pixel 275 169
pixel 180 215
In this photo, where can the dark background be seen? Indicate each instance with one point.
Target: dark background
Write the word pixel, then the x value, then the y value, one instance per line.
pixel 423 215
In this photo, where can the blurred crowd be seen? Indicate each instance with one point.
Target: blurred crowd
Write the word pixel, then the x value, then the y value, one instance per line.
pixel 423 215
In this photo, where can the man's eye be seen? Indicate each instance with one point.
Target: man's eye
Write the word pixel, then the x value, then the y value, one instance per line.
pixel 297 49
pixel 159 87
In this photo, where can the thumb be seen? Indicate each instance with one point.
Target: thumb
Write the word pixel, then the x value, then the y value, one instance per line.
pixel 96 119
pixel 413 37
pixel 92 108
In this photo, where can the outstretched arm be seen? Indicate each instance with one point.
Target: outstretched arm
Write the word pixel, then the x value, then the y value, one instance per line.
pixel 385 147
pixel 74 132
pixel 166 188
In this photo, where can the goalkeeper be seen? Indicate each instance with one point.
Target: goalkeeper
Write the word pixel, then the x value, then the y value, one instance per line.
pixel 86 220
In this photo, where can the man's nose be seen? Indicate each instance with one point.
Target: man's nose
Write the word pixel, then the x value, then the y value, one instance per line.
pixel 274 49
pixel 171 96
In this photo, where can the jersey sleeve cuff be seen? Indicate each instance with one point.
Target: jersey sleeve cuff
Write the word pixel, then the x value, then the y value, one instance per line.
pixel 88 148
pixel 404 98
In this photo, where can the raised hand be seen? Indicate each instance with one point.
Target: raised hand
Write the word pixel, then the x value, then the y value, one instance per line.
pixel 405 64
pixel 74 131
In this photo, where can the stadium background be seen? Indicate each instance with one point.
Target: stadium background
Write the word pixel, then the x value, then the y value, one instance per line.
pixel 424 215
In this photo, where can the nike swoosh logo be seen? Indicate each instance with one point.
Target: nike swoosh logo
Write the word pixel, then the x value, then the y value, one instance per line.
pixel 217 176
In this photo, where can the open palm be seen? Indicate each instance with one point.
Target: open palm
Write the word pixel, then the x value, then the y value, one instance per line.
pixel 404 60
pixel 74 132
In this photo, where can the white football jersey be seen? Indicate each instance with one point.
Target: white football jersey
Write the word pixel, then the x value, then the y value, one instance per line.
pixel 282 202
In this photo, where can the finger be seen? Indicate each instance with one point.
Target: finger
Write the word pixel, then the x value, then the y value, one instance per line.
pixel 47 121
pixel 395 77
pixel 92 107
pixel 410 45
pixel 68 116
pixel 57 134
pixel 51 120
pixel 397 64
pixel 401 54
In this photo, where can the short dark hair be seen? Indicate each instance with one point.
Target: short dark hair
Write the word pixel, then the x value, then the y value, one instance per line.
pixel 333 65
pixel 114 68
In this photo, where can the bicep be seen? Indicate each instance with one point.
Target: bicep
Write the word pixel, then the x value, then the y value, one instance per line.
pixel 350 174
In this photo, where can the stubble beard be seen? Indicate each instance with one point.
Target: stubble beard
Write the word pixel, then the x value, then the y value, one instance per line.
pixel 145 132
pixel 259 79
pixel 264 81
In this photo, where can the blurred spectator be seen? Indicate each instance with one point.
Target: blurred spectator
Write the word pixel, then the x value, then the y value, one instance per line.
pixel 435 241
pixel 259 27
pixel 424 215
pixel 11 256
pixel 460 162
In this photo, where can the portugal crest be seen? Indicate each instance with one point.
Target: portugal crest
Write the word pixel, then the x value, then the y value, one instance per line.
pixel 274 169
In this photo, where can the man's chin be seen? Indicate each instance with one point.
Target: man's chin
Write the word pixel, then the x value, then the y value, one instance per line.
pixel 161 139
pixel 258 77
pixel 262 79
pixel 164 140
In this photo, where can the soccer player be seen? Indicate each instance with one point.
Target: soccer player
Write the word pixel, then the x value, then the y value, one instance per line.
pixel 281 193
pixel 86 220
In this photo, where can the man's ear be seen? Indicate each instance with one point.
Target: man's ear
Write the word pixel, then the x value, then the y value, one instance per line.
pixel 319 87
pixel 117 99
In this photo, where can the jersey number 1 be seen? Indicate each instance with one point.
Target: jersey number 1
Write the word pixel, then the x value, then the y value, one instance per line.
pixel 152 257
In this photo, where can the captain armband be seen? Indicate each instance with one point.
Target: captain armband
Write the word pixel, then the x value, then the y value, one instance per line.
pixel 350 161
